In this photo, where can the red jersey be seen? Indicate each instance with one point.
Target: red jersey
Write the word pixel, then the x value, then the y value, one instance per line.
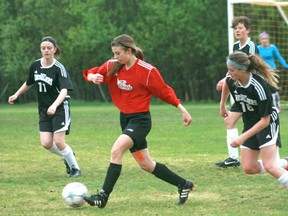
pixel 132 89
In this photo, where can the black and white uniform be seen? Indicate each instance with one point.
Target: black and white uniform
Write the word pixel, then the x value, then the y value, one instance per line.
pixel 49 82
pixel 249 48
pixel 255 101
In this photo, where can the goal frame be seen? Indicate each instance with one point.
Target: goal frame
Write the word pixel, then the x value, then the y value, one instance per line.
pixel 230 14
pixel 231 38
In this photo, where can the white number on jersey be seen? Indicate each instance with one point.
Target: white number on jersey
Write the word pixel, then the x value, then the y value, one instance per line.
pixel 246 107
pixel 42 87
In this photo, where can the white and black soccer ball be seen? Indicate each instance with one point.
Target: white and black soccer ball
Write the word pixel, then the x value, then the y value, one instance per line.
pixel 73 194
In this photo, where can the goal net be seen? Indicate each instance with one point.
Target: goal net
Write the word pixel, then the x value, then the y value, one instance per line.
pixel 267 16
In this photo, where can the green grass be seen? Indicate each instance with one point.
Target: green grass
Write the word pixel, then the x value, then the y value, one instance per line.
pixel 31 179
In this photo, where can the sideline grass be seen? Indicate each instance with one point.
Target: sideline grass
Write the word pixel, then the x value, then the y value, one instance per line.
pixel 31 179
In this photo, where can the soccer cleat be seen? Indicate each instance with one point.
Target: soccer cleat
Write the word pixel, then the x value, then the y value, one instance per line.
pixel 229 162
pixel 68 169
pixel 74 173
pixel 99 200
pixel 184 192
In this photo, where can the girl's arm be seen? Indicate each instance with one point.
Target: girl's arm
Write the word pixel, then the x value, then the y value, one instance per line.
pixel 260 125
pixel 187 119
pixel 280 58
pixel 61 97
pixel 20 91
pixel 224 97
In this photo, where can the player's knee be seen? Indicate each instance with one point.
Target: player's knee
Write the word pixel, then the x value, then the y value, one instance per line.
pixel 116 154
pixel 250 170
pixel 229 122
pixel 46 144
pixel 269 167
pixel 146 167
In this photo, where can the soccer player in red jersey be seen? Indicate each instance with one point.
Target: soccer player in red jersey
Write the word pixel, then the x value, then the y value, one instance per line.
pixel 132 82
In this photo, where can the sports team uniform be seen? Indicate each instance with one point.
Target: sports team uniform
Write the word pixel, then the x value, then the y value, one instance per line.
pixel 131 91
pixel 49 82
pixel 249 48
pixel 255 101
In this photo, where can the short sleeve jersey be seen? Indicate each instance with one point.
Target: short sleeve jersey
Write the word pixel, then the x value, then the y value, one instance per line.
pixel 249 47
pixel 49 82
pixel 254 99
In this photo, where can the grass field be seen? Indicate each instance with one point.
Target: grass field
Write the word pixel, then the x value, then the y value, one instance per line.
pixel 32 179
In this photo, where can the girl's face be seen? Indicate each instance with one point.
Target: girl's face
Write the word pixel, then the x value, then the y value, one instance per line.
pixel 235 74
pixel 47 49
pixel 264 40
pixel 240 32
pixel 123 56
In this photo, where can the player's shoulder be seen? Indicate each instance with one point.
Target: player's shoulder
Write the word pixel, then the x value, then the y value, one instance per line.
pixel 257 77
pixel 35 64
pixel 236 42
pixel 144 65
pixel 252 43
pixel 273 46
pixel 111 62
pixel 229 80
pixel 37 61
pixel 253 48
pixel 58 64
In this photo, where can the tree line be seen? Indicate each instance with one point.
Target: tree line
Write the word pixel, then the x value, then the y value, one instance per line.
pixel 185 39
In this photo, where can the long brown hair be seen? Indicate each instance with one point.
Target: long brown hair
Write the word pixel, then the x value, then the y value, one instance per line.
pixel 255 64
pixel 125 41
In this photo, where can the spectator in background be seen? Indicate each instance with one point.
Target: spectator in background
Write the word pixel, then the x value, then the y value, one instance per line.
pixel 268 52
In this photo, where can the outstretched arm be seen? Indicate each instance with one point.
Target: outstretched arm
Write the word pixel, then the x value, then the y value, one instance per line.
pixel 280 58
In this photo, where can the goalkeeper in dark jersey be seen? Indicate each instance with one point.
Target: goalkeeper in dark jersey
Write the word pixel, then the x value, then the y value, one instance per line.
pixel 52 83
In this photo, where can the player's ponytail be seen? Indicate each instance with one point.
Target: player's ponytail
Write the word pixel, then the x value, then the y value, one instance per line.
pixel 254 64
pixel 262 68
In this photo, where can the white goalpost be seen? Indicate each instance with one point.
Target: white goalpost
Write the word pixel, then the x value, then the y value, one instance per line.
pixel 269 16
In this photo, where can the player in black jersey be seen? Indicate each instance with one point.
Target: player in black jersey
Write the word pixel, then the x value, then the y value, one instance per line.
pixel 242 28
pixel 249 81
pixel 52 83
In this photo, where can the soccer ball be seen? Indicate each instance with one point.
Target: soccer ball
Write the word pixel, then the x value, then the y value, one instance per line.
pixel 73 194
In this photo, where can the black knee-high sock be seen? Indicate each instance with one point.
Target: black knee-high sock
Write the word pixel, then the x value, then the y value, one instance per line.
pixel 162 172
pixel 112 176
